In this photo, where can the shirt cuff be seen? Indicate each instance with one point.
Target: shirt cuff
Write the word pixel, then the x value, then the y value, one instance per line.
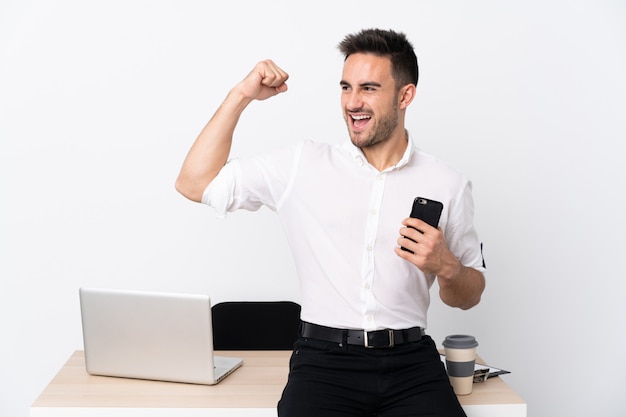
pixel 219 193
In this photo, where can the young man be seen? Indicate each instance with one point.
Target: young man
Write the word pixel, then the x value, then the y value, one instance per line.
pixel 362 350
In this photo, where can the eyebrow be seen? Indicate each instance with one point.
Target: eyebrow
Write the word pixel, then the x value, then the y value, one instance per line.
pixel 365 84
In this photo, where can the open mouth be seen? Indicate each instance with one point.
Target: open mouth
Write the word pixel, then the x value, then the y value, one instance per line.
pixel 360 120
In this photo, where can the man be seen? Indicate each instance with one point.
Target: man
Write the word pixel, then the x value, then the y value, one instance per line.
pixel 362 350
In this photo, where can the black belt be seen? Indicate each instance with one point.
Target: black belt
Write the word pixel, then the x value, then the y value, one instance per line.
pixel 372 339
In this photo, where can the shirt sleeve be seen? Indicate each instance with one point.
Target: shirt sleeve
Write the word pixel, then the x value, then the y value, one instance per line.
pixel 219 193
pixel 461 232
pixel 250 183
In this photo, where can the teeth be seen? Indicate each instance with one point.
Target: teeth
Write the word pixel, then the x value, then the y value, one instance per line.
pixel 361 117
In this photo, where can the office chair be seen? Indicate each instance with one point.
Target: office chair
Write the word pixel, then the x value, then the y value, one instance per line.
pixel 255 325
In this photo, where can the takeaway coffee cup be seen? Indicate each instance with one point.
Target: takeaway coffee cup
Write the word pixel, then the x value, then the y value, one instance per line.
pixel 460 351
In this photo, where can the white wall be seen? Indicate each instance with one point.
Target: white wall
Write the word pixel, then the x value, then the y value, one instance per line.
pixel 99 102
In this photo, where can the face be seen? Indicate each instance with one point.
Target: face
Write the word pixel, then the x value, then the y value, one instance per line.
pixel 369 99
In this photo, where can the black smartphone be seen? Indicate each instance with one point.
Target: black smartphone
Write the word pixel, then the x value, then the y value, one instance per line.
pixel 426 210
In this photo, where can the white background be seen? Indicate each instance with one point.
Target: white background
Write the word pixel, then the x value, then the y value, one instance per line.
pixel 100 101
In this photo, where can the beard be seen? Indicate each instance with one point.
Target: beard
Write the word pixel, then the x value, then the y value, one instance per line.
pixel 379 133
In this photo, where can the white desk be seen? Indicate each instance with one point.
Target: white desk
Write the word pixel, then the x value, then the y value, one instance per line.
pixel 252 390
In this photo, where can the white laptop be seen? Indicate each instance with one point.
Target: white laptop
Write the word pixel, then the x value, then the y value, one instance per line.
pixel 151 335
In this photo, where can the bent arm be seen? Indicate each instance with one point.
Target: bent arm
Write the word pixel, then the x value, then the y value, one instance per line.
pixel 459 285
pixel 210 151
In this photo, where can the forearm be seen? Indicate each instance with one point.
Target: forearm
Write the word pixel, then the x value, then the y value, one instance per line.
pixel 210 151
pixel 460 286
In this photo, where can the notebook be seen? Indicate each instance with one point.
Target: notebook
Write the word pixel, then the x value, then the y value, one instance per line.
pixel 151 335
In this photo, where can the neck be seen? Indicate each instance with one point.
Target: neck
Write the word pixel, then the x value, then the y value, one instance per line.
pixel 387 153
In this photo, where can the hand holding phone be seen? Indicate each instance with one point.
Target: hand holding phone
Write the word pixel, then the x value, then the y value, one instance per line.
pixel 426 210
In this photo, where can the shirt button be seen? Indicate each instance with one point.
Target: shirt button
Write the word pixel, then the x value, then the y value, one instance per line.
pixel 367 286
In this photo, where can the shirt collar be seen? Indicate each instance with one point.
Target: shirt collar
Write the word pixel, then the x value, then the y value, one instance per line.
pixel 359 157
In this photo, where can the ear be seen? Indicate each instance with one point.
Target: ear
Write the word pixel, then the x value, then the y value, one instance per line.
pixel 406 96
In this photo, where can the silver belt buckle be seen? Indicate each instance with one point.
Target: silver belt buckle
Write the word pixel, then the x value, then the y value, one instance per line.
pixel 366 339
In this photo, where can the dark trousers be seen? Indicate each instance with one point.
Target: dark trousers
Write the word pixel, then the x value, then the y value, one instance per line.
pixel 330 379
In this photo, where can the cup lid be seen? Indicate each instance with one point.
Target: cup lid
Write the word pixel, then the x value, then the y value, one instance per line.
pixel 460 341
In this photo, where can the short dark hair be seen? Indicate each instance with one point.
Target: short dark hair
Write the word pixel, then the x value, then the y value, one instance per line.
pixel 389 43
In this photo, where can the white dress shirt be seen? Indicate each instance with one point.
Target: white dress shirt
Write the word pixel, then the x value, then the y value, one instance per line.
pixel 342 219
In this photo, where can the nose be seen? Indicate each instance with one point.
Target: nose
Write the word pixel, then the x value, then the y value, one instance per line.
pixel 353 101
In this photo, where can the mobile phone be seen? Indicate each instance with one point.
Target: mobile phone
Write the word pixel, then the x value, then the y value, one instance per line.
pixel 426 210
